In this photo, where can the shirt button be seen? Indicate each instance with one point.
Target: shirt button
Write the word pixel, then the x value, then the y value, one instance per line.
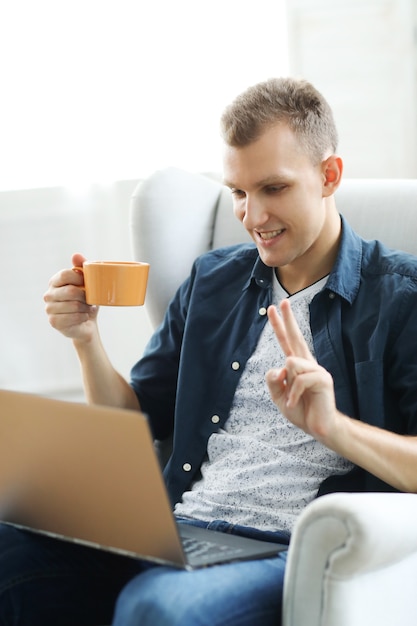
pixel 262 310
pixel 235 365
pixel 332 295
pixel 186 467
pixel 215 419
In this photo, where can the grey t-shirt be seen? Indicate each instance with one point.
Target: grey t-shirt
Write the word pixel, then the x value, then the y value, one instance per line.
pixel 261 470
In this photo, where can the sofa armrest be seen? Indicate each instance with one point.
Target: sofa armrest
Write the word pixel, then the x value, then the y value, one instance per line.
pixel 353 562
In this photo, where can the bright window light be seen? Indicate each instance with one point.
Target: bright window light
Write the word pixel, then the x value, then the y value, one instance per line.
pixel 98 91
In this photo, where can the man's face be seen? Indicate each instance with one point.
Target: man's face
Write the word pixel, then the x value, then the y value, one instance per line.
pixel 278 196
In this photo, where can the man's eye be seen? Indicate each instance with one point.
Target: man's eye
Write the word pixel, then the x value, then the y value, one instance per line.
pixel 238 193
pixel 275 189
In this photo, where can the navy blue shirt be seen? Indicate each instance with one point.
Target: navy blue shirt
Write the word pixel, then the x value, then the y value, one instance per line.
pixel 364 327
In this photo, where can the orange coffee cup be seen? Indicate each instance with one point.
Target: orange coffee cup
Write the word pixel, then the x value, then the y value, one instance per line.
pixel 115 283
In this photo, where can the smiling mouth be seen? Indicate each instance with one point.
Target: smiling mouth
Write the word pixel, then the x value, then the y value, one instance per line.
pixel 270 234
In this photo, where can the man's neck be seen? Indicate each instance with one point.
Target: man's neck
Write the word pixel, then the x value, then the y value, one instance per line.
pixel 315 264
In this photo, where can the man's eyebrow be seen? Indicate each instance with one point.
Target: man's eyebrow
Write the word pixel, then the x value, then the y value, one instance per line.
pixel 274 179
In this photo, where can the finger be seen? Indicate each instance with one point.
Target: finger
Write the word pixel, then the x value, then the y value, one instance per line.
pixel 65 306
pixel 296 342
pixel 302 376
pixel 64 298
pixel 78 259
pixel 300 384
pixel 279 330
pixel 277 383
pixel 66 277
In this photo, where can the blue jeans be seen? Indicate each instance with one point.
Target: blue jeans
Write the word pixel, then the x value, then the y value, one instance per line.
pixel 47 582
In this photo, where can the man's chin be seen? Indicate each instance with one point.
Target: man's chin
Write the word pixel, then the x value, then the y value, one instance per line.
pixel 268 259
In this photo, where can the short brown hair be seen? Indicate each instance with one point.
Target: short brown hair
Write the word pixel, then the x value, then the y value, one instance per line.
pixel 292 101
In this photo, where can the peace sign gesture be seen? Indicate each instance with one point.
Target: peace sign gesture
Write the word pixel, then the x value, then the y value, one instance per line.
pixel 302 389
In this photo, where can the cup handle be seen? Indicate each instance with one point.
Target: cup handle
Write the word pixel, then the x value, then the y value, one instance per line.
pixel 79 269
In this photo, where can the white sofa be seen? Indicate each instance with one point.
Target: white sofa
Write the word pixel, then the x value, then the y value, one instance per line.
pixel 353 557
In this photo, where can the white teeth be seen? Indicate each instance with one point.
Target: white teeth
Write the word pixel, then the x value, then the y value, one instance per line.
pixel 271 234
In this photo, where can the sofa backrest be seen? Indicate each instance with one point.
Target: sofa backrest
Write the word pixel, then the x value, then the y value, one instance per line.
pixel 177 215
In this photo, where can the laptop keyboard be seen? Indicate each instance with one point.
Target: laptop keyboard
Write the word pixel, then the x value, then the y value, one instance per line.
pixel 198 548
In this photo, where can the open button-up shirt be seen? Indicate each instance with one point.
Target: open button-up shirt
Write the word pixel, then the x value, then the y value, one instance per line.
pixel 364 327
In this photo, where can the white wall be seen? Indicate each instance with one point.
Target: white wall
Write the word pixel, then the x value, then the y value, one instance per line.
pixel 39 231
pixel 144 88
pixel 362 55
pixel 105 91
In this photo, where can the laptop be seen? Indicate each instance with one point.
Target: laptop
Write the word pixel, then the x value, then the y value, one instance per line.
pixel 91 474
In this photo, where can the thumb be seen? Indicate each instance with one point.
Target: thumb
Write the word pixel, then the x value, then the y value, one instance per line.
pixel 78 259
pixel 276 380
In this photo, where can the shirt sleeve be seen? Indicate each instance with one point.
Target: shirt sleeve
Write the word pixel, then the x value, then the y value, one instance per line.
pixel 154 376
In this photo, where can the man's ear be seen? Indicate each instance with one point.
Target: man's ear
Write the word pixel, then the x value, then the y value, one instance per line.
pixel 332 169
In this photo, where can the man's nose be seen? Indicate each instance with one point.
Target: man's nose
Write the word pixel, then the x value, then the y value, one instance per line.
pixel 255 213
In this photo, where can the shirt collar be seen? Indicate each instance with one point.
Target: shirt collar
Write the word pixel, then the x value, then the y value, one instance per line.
pixel 345 276
pixel 261 274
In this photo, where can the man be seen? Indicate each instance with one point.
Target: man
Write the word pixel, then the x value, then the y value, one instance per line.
pixel 246 459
